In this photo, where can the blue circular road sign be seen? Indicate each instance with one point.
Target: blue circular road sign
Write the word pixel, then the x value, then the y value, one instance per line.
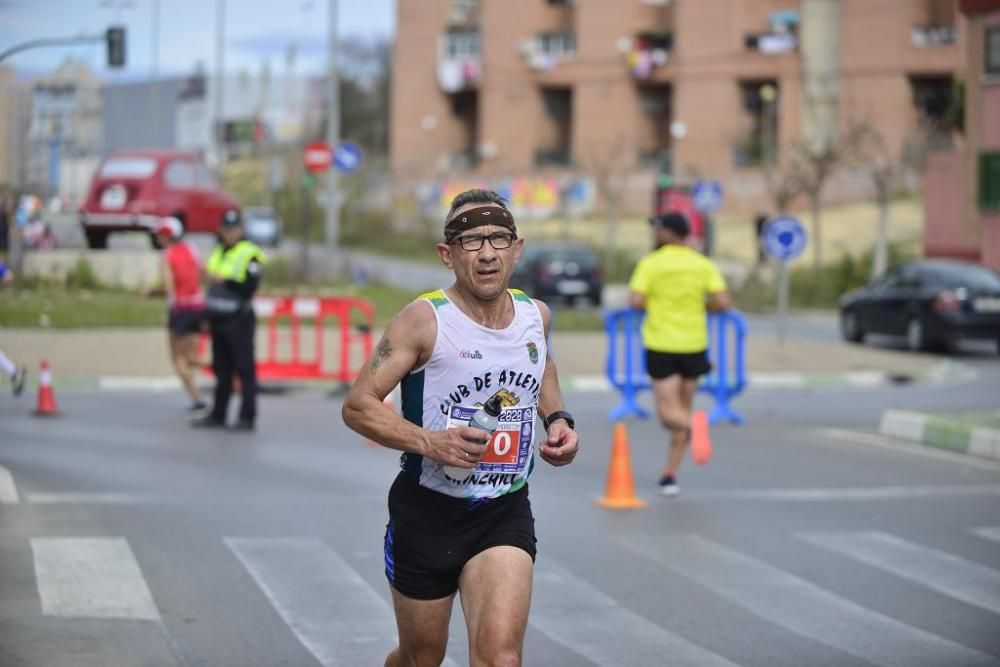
pixel 348 157
pixel 707 195
pixel 784 238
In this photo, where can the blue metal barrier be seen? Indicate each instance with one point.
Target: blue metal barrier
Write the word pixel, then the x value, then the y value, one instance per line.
pixel 626 363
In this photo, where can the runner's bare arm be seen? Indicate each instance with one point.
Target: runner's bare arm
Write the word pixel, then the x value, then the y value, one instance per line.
pixel 637 300
pixel 167 277
pixel 562 443
pixel 406 344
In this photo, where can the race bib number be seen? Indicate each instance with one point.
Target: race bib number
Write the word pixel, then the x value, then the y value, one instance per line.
pixel 509 449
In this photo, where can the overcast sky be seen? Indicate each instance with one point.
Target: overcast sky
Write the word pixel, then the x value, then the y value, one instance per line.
pixel 255 31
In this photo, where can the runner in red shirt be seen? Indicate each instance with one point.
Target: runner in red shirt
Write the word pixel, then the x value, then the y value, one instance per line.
pixel 185 304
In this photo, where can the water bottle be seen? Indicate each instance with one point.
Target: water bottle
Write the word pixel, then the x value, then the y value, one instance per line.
pixel 485 418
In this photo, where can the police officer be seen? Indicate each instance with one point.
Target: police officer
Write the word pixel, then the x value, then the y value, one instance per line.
pixel 233 272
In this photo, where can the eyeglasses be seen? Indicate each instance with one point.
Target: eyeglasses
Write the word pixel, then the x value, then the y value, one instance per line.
pixel 473 242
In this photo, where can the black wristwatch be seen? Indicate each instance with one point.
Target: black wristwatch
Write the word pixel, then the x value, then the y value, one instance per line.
pixel 559 414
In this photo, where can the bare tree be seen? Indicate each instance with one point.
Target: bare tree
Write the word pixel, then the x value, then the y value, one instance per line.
pixel 866 151
pixel 608 165
pixel 814 165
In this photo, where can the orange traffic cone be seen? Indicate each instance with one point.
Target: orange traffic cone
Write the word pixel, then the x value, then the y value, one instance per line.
pixel 701 445
pixel 46 404
pixel 619 493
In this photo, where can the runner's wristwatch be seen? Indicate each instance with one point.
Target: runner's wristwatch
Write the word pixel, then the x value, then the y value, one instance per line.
pixel 559 414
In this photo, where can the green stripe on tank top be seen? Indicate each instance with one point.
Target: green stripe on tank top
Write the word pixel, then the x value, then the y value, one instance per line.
pixel 437 298
pixel 411 391
pixel 520 296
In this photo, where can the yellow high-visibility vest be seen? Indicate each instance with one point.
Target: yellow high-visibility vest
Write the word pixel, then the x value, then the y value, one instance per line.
pixel 232 264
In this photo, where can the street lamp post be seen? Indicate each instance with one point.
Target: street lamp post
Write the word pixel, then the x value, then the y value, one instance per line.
pixel 333 137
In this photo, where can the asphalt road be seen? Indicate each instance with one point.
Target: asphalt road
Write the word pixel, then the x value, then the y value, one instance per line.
pixel 127 539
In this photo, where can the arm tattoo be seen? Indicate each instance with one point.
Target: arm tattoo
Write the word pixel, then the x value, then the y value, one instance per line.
pixel 382 352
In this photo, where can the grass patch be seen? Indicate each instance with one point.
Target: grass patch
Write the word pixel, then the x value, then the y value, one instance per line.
pixel 79 309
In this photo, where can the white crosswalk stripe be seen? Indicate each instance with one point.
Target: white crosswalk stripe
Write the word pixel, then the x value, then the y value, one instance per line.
pixel 593 624
pixel 803 607
pixel 8 491
pixel 92 577
pixel 329 607
pixel 967 581
pixel 989 533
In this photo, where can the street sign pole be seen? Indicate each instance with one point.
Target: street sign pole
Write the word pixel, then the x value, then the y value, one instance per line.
pixel 782 300
pixel 784 239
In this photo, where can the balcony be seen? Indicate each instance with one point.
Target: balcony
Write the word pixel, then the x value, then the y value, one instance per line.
pixel 459 64
pixel 924 37
pixel 781 35
pixel 646 53
pixel 547 49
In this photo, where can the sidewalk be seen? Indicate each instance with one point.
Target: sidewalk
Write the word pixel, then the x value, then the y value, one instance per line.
pixel 133 357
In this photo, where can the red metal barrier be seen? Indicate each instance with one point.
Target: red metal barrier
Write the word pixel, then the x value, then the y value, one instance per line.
pixel 284 320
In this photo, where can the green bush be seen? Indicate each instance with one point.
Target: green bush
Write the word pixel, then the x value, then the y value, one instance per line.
pixel 82 276
pixel 811 289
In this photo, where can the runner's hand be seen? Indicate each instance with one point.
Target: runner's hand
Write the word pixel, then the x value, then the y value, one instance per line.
pixel 561 446
pixel 460 447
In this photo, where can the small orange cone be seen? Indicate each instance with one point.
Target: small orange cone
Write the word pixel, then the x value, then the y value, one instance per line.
pixel 46 404
pixel 619 493
pixel 701 445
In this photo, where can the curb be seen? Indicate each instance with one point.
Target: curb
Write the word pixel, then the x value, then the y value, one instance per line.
pixel 942 433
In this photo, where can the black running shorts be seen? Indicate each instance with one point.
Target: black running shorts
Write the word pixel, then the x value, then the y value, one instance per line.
pixel 184 322
pixel 661 365
pixel 431 536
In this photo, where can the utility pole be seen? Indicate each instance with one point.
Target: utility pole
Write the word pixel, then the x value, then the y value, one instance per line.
pixel 154 56
pixel 220 77
pixel 333 137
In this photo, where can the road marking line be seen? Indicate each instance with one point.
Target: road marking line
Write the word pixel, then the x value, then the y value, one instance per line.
pixel 8 490
pixel 801 606
pixel 953 576
pixel 592 624
pixel 93 577
pixel 860 438
pixel 989 533
pixel 850 493
pixel 88 498
pixel 311 586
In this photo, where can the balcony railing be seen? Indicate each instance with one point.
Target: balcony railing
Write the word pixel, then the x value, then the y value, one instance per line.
pixel 931 36
pixel 459 64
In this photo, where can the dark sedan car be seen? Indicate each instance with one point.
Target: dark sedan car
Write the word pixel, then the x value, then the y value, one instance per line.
pixel 931 302
pixel 552 270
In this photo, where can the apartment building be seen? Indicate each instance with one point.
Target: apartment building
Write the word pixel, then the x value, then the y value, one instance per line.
pixel 962 186
pixel 488 89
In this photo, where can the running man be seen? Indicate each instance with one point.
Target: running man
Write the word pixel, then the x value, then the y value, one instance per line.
pixel 674 285
pixel 454 349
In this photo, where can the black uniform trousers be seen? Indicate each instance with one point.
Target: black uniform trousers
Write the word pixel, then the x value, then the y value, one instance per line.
pixel 233 352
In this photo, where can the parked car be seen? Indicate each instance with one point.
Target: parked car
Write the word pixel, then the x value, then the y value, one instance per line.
pixel 132 189
pixel 262 225
pixel 932 302
pixel 561 271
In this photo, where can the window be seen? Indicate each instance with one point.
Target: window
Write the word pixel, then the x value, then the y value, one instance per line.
pixel 461 45
pixel 128 168
pixel 758 145
pixel 179 175
pixel 991 47
pixel 206 179
pixel 989 181
pixel 557 44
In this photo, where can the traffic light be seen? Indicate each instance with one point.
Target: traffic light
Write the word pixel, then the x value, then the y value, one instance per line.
pixel 116 46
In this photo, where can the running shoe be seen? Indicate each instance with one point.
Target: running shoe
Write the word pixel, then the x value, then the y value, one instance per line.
pixel 668 486
pixel 197 406
pixel 17 382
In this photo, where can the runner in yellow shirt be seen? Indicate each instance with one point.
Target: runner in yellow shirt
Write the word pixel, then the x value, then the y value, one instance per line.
pixel 675 285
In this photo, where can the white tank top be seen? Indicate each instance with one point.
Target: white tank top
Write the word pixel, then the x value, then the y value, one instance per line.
pixel 469 364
